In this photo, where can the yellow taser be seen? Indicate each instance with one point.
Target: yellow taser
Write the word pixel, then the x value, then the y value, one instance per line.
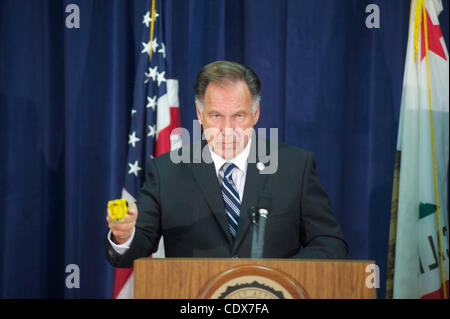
pixel 118 209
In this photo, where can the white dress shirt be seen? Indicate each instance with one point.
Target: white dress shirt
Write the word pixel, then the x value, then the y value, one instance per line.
pixel 238 176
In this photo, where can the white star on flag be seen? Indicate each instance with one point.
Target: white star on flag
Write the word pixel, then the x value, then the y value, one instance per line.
pixel 146 45
pixel 134 168
pixel 133 139
pixel 154 45
pixel 151 130
pixel 152 73
pixel 132 112
pixel 151 102
pixel 146 48
pixel 162 50
pixel 148 18
pixel 161 78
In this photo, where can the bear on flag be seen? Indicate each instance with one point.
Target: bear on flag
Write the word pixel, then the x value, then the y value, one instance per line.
pixel 419 252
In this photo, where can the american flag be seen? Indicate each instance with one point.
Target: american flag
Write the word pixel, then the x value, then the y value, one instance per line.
pixel 154 115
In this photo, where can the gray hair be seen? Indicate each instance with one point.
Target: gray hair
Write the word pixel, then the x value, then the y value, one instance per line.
pixel 219 71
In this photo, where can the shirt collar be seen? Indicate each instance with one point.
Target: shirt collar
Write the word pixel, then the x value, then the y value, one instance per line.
pixel 239 160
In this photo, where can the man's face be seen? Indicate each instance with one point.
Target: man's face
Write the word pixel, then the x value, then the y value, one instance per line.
pixel 227 117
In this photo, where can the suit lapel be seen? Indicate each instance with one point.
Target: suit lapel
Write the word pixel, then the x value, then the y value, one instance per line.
pixel 254 186
pixel 205 175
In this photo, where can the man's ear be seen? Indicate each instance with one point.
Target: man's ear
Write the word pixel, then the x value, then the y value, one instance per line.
pixel 199 114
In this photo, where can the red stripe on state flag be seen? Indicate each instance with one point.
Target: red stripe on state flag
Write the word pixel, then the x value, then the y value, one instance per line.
pixel 438 294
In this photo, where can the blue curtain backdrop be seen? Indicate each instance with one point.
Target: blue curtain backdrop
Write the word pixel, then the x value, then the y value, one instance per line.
pixel 330 85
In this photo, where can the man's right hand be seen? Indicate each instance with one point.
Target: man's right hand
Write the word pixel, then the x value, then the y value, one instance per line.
pixel 121 232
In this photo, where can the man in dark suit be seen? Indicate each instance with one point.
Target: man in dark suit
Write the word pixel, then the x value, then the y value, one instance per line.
pixel 203 207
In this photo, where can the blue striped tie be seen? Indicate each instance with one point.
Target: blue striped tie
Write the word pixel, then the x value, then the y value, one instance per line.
pixel 230 198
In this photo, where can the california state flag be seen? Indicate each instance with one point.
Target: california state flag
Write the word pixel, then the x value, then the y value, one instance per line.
pixel 421 250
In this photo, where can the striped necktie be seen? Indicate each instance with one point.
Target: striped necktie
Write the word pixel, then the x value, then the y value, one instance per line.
pixel 231 198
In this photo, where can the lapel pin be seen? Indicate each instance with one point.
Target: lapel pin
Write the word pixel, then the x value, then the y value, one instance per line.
pixel 260 166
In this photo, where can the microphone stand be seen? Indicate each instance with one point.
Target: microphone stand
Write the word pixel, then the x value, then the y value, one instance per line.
pixel 259 229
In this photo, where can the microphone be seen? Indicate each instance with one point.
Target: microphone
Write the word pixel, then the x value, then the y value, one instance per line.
pixel 259 224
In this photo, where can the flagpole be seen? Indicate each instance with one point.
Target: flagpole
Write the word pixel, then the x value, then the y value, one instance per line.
pixel 416 26
pixel 151 32
pixel 424 17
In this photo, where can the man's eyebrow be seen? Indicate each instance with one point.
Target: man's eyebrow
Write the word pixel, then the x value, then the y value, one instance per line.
pixel 243 110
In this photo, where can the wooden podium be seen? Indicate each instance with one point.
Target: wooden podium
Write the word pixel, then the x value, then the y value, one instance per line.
pixel 191 278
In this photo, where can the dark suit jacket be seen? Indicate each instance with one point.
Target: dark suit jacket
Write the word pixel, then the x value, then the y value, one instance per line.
pixel 183 202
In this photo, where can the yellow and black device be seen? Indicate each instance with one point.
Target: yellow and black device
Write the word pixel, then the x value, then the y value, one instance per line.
pixel 118 208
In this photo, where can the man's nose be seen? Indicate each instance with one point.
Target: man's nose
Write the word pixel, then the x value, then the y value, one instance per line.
pixel 229 124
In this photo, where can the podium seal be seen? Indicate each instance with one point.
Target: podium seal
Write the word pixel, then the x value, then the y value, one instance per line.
pixel 253 282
